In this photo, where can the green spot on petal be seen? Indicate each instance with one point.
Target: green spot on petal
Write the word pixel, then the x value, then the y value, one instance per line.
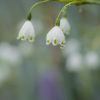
pixel 55 41
pixel 47 41
pixel 31 38
pixel 23 37
pixel 62 43
pixel 62 29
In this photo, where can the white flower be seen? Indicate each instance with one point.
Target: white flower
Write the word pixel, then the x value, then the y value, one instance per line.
pixel 56 36
pixel 92 60
pixel 27 32
pixel 64 25
pixel 72 46
pixel 74 62
pixel 10 54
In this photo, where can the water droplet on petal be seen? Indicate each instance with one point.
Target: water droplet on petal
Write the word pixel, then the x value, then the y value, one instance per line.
pixel 62 46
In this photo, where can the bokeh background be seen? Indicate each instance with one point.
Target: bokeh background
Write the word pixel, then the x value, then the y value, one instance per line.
pixel 35 71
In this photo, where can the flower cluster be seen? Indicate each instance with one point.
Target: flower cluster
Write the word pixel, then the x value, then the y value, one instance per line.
pixel 54 36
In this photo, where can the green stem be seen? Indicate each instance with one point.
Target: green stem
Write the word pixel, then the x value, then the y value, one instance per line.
pixel 64 14
pixel 38 4
pixel 90 2
pixel 65 7
pixel 78 3
pixel 96 2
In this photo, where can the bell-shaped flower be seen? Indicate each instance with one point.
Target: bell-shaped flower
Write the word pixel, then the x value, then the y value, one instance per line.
pixel 55 36
pixel 27 32
pixel 64 25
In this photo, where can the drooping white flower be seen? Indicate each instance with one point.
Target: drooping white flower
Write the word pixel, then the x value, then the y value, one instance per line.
pixel 27 32
pixel 64 25
pixel 55 36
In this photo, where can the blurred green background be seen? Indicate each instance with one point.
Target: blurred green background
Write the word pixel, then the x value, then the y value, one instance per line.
pixel 35 71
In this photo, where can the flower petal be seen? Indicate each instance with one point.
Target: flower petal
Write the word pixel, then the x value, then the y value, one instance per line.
pixel 64 25
pixel 56 36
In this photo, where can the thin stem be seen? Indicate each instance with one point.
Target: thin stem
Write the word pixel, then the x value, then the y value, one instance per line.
pixel 90 2
pixel 78 3
pixel 64 13
pixel 65 7
pixel 96 2
pixel 38 4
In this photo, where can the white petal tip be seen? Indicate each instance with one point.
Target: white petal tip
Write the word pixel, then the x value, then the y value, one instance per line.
pixel 67 33
pixel 17 37
pixel 31 40
pixel 54 44
pixel 48 42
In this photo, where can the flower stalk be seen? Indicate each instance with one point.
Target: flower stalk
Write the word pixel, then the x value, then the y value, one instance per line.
pixel 38 4
pixel 56 34
pixel 80 2
pixel 29 16
pixel 29 13
pixel 73 2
